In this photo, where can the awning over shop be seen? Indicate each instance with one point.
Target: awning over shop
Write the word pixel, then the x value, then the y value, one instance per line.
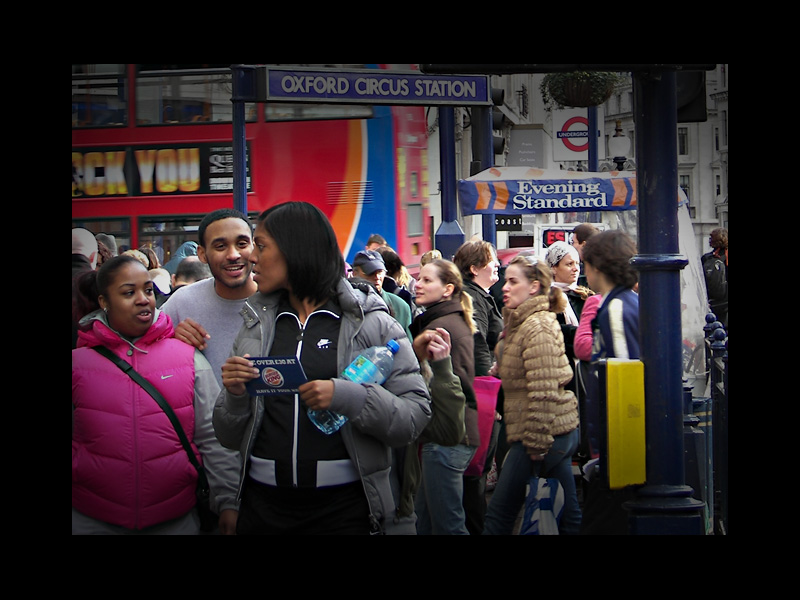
pixel 525 190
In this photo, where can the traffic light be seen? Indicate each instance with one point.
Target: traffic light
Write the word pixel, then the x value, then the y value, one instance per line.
pixel 498 96
pixel 498 124
pixel 691 90
pixel 498 120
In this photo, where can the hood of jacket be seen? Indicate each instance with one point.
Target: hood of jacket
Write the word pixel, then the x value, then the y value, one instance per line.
pixel 95 331
pixel 515 316
pixel 354 301
pixel 433 312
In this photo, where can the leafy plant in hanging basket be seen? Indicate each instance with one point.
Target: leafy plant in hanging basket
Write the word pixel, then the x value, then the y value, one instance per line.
pixel 578 88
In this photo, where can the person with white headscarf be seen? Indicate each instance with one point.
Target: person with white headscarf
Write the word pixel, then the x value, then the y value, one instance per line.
pixel 564 263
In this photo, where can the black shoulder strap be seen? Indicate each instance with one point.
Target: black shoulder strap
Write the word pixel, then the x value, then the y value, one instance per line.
pixel 150 389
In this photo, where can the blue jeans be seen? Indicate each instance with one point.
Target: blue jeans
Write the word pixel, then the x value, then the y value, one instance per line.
pixel 439 500
pixel 509 495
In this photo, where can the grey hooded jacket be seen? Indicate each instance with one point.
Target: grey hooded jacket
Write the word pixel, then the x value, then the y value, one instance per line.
pixel 379 417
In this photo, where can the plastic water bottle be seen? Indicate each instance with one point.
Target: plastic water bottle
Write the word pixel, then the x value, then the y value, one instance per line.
pixel 371 366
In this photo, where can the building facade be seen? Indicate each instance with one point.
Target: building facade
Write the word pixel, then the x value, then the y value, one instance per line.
pixel 528 132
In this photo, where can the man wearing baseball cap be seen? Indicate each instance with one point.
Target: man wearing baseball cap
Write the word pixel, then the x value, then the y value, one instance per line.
pixel 369 265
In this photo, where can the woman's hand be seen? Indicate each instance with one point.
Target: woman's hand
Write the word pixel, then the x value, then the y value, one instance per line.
pixel 439 344
pixel 236 372
pixel 317 394
pixel 432 345
pixel 227 521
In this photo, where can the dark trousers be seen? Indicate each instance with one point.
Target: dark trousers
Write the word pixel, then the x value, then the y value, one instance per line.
pixel 474 500
pixel 268 510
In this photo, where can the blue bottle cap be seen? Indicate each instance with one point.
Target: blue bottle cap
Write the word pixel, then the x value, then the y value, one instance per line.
pixel 393 346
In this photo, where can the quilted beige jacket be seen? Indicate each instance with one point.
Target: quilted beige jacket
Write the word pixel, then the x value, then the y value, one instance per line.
pixel 534 370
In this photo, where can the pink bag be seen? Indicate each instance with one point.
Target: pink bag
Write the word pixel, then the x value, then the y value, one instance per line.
pixel 486 390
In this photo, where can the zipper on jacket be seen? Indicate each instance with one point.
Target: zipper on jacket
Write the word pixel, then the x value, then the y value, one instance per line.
pixel 299 407
pixel 250 314
pixel 136 458
pixel 297 402
pixel 297 411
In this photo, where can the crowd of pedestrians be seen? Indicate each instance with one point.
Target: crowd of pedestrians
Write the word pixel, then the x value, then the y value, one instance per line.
pixel 404 462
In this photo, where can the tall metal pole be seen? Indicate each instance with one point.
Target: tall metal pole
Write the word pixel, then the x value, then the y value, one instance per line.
pixel 483 158
pixel 664 505
pixel 449 235
pixel 593 153
pixel 244 90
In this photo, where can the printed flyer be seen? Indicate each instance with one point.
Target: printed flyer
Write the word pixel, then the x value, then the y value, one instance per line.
pixel 277 375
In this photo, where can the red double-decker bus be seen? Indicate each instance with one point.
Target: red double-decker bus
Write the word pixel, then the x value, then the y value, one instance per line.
pixel 152 153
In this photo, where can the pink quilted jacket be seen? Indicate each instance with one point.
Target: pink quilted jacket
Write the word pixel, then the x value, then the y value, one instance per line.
pixel 128 465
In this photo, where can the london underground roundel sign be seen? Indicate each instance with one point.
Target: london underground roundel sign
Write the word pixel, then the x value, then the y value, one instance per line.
pixel 570 135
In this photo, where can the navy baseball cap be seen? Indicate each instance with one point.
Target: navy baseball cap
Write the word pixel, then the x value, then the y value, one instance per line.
pixel 369 261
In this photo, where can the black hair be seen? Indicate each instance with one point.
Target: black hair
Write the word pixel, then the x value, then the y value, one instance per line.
pixel 217 215
pixel 391 259
pixel 376 238
pixel 106 273
pixel 308 243
pixel 90 285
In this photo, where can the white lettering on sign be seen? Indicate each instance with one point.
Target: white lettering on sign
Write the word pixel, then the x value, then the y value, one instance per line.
pixel 565 203
pixel 529 187
pixel 293 84
pixel 381 87
pixel 457 89
pixel 330 85
pixel 573 195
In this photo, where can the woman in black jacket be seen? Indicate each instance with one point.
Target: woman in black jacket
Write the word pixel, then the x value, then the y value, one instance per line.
pixel 439 499
pixel 477 261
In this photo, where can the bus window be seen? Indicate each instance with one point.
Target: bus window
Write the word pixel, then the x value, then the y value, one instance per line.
pixel 99 98
pixel 166 234
pixel 119 228
pixel 185 95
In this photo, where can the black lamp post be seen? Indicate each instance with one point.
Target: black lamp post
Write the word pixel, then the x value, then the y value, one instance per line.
pixel 619 146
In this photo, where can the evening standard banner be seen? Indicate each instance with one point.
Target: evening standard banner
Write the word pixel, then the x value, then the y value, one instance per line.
pixel 524 190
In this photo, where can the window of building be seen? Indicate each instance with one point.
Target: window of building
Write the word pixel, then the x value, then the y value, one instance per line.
pixel 725 128
pixel 685 183
pixel 414 220
pixel 683 141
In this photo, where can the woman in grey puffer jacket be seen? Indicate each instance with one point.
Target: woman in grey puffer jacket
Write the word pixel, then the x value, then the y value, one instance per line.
pixel 296 479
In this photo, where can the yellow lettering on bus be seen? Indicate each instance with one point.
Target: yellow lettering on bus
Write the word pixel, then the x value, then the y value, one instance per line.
pixel 145 161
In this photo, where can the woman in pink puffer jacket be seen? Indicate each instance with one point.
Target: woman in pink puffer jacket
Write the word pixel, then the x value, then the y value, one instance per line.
pixel 130 473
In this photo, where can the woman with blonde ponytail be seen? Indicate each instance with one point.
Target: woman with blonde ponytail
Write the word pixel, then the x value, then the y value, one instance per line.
pixel 541 415
pixel 438 503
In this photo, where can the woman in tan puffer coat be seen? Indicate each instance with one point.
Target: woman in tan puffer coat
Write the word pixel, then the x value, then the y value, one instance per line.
pixel 541 416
